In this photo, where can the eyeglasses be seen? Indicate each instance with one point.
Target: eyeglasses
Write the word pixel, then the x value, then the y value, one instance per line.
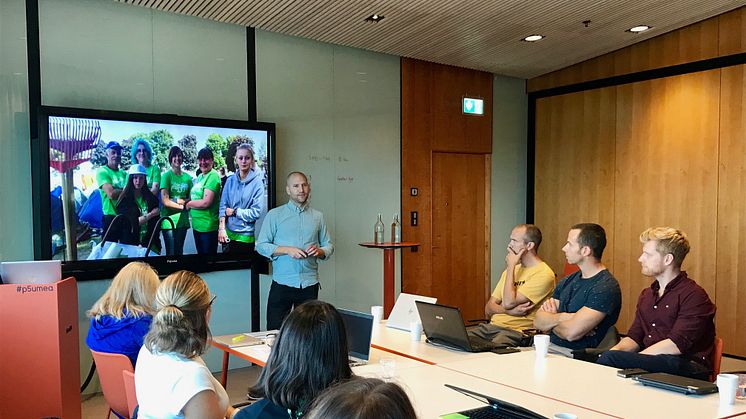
pixel 212 300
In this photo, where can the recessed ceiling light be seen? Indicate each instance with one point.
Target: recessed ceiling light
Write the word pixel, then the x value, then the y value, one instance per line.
pixel 374 18
pixel 639 28
pixel 533 38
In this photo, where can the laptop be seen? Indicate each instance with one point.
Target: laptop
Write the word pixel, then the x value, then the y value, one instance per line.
pixel 497 409
pixel 676 383
pixel 444 326
pixel 405 311
pixel 31 272
pixel 359 328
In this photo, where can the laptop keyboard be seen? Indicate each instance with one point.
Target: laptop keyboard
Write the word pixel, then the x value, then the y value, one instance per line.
pixel 357 362
pixel 480 345
pixel 488 412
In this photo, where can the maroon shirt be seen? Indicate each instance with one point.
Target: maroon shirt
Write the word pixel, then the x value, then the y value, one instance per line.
pixel 683 314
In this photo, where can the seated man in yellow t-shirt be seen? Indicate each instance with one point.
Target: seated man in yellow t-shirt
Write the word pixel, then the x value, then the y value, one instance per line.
pixel 525 283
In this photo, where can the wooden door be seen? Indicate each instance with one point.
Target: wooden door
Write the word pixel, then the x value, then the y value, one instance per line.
pixel 460 231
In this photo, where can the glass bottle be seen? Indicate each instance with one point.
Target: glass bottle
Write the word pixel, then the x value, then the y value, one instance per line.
pixel 396 230
pixel 378 230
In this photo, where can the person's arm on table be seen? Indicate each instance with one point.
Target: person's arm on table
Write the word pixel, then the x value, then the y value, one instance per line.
pixel 627 344
pixel 573 326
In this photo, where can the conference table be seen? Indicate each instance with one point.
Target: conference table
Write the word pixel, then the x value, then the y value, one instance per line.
pixel 551 385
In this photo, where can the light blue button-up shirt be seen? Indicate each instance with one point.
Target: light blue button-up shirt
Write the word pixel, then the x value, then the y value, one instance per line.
pixel 291 225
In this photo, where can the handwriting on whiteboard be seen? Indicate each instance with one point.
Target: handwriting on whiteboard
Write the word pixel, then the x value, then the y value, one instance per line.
pixel 322 157
pixel 348 179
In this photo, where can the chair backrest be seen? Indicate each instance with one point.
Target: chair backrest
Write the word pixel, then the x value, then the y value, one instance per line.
pixel 717 356
pixel 110 367
pixel 569 269
pixel 129 390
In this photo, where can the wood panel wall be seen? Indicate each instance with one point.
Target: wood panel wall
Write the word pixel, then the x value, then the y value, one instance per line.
pixel 674 155
pixel 439 145
pixel 715 37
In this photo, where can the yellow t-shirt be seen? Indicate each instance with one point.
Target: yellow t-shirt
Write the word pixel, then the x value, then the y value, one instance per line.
pixel 536 283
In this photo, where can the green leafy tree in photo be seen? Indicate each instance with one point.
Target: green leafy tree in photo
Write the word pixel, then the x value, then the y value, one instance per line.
pixel 188 145
pixel 98 157
pixel 161 141
pixel 218 145
pixel 233 142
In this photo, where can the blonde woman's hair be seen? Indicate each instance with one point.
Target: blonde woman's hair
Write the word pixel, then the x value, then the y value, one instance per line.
pixel 180 322
pixel 668 240
pixel 130 293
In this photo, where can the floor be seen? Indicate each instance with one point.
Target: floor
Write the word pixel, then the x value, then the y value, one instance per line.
pixel 94 406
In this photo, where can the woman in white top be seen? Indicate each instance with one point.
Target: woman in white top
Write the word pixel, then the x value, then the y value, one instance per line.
pixel 171 379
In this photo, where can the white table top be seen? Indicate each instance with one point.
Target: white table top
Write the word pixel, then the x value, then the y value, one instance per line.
pixel 400 342
pixel 425 387
pixel 591 386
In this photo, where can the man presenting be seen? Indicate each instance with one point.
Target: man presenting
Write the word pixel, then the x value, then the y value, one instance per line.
pixel 294 237
pixel 674 329
pixel 525 283
pixel 585 304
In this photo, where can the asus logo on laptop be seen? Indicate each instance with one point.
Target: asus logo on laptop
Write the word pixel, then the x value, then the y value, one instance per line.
pixel 439 317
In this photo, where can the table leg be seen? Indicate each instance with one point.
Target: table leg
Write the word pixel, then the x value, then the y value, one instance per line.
pixel 388 282
pixel 224 374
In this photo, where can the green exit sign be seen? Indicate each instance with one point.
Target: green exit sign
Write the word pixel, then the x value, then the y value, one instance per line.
pixel 473 106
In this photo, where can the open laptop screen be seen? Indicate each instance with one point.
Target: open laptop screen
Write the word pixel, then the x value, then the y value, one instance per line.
pixel 359 328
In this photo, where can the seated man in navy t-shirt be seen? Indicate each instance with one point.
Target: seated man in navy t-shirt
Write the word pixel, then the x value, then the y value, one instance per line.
pixel 585 304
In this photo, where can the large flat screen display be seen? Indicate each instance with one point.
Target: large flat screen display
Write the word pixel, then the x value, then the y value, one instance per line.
pixel 124 186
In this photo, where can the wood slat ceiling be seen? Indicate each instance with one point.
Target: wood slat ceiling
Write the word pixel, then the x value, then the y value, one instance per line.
pixel 478 34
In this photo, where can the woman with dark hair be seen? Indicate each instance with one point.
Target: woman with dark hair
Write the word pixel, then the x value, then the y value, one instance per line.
pixel 362 398
pixel 175 188
pixel 204 204
pixel 142 154
pixel 309 355
pixel 171 379
pixel 140 206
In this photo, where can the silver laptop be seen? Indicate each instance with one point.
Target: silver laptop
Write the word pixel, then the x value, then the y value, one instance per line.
pixel 359 327
pixel 31 272
pixel 405 311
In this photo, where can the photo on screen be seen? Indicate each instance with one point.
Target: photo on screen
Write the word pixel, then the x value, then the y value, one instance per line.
pixel 107 178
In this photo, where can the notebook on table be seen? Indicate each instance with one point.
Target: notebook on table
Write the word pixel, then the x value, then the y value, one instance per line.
pixel 405 311
pixel 676 383
pixel 359 327
pixel 237 340
pixel 444 326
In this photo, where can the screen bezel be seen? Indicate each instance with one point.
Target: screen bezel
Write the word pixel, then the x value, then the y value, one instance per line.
pixel 102 269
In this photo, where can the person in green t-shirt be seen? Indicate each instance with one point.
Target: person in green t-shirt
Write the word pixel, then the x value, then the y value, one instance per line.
pixel 175 188
pixel 140 206
pixel 110 180
pixel 142 154
pixel 204 204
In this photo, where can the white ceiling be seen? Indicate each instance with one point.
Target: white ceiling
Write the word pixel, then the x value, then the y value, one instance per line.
pixel 478 34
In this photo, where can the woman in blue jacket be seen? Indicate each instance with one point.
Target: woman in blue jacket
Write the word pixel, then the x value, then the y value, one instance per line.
pixel 120 319
pixel 241 204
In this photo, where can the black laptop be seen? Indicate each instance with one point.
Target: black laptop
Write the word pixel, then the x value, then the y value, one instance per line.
pixel 359 327
pixel 676 383
pixel 444 326
pixel 495 409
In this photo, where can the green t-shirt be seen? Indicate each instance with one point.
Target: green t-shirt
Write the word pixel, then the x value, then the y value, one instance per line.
pixel 117 179
pixel 206 220
pixel 143 207
pixel 178 186
pixel 153 175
